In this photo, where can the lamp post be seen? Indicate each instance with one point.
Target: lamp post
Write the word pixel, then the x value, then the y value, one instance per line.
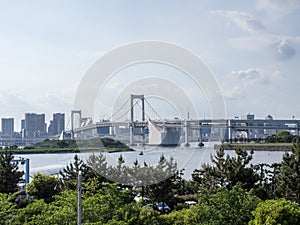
pixel 79 205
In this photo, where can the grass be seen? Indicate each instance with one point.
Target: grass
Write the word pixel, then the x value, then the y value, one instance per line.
pixel 257 146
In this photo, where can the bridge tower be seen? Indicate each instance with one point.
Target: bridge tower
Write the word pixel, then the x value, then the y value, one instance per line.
pixel 72 121
pixel 132 98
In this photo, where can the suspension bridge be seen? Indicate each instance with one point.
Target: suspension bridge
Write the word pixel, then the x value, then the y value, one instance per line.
pixel 133 129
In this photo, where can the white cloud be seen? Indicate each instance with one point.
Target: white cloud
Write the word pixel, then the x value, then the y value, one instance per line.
pixel 243 20
pixel 15 105
pixel 259 38
pixel 282 47
pixel 285 50
pixel 278 8
pixel 11 101
pixel 234 93
pixel 255 76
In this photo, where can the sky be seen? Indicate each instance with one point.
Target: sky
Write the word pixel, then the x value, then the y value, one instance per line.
pixel 251 47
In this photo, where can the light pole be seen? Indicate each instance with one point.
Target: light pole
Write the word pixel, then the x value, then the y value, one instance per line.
pixel 79 205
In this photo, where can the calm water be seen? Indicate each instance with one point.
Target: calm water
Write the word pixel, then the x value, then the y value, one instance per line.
pixel 188 158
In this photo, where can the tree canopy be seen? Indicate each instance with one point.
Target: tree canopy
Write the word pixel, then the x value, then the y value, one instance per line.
pixel 10 176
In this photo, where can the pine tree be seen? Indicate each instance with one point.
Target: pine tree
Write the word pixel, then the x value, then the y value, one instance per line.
pixel 288 181
pixel 227 171
pixel 9 174
pixel 69 174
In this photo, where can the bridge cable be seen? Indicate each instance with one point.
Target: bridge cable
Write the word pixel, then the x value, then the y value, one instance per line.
pixel 153 109
pixel 122 106
pixel 142 109
pixel 125 112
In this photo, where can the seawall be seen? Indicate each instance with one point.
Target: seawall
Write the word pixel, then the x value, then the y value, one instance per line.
pixel 255 147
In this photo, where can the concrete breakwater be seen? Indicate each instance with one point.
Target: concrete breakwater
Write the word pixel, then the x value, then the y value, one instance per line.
pixel 255 147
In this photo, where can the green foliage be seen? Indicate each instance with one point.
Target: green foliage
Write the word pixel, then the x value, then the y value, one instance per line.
pixel 7 208
pixel 9 174
pixel 227 171
pixel 43 187
pixel 223 207
pixel 91 143
pixel 224 192
pixel 106 205
pixel 148 216
pixel 281 137
pixel 62 144
pixel 69 175
pixel 288 184
pixel 51 144
pixel 98 167
pixel 32 214
pixel 279 211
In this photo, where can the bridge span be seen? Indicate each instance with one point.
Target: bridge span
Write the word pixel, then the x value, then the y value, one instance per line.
pixel 174 131
pixel 187 129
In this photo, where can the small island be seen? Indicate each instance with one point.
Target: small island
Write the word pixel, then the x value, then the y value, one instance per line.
pixel 282 141
pixel 71 146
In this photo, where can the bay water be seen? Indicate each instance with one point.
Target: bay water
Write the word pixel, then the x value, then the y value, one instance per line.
pixel 187 158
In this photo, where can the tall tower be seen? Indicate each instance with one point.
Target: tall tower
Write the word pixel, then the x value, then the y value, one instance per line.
pixel 7 125
pixel 132 98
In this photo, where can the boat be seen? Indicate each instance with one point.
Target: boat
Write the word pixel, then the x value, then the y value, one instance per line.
pixel 200 144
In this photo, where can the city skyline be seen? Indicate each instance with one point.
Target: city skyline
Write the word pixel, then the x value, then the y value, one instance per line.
pixel 250 46
pixel 54 126
pixel 58 121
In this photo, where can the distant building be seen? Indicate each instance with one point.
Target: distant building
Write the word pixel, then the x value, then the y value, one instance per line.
pixel 7 125
pixel 22 124
pixel 250 116
pixel 269 132
pixel 57 125
pixel 35 126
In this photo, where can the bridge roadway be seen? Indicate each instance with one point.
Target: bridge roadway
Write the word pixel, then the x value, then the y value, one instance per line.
pixel 233 124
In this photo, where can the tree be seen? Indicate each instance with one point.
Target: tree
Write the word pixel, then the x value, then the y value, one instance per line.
pixel 9 174
pixel 33 213
pixel 43 187
pixel 281 137
pixel 98 165
pixel 69 174
pixel 106 205
pixel 164 177
pixel 279 211
pixel 227 171
pixel 7 208
pixel 288 179
pixel 223 207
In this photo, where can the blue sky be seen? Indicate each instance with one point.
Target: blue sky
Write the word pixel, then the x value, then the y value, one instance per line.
pixel 252 47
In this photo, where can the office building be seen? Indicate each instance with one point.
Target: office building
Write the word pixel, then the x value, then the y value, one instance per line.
pixel 7 125
pixel 35 125
pixel 57 125
pixel 22 124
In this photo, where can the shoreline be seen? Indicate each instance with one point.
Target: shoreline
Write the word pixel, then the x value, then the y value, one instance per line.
pixel 61 151
pixel 271 147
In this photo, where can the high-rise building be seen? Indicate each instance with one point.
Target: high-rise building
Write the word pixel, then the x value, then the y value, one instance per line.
pixel 7 127
pixel 35 125
pixel 22 124
pixel 57 125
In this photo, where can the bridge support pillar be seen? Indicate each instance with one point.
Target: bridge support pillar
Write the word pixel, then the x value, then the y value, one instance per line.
pixel 200 135
pixel 186 143
pixel 72 121
pixel 131 134
pixel 142 98
pixel 229 130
